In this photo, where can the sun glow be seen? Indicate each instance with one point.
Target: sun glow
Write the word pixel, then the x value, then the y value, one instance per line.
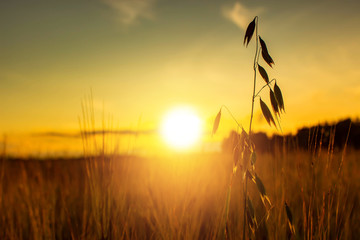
pixel 181 128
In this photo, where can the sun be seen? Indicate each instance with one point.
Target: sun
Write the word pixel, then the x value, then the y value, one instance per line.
pixel 181 128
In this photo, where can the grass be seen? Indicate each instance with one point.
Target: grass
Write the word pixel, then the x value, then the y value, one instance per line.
pixel 314 194
pixel 244 148
pixel 127 197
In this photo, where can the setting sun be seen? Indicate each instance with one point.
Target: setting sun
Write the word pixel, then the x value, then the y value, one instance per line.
pixel 181 128
pixel 155 119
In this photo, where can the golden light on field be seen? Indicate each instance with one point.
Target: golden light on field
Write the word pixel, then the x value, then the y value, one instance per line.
pixel 47 70
pixel 181 128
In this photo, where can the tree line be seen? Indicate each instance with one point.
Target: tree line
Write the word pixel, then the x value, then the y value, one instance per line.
pixel 333 135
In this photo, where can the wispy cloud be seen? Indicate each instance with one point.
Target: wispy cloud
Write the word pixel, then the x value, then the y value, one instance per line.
pixel 240 14
pixel 130 11
pixel 92 133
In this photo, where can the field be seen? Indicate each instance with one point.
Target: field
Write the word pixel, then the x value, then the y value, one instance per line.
pixel 179 120
pixel 179 197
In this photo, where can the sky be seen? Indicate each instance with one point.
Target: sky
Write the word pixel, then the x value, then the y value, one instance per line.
pixel 137 59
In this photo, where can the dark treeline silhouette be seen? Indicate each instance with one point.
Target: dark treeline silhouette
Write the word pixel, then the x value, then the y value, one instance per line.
pixel 323 136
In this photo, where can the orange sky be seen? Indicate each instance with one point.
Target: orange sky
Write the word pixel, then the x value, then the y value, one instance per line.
pixel 141 58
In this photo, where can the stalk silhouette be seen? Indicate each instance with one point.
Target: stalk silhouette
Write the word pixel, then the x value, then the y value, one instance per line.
pixel 245 148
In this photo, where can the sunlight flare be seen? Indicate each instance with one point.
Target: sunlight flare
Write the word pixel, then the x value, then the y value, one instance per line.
pixel 181 128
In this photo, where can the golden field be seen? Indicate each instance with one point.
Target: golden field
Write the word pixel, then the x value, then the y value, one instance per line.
pixel 179 197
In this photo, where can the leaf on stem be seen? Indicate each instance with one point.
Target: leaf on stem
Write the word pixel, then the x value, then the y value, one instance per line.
pixel 216 122
pixel 246 156
pixel 250 176
pixel 290 219
pixel 279 97
pixel 274 102
pixel 250 207
pixel 260 185
pixel 263 73
pixel 250 212
pixel 249 32
pixel 261 189
pixel 253 158
pixel 266 112
pixel 265 54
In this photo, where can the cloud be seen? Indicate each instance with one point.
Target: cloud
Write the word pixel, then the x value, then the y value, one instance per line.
pixel 92 133
pixel 241 15
pixel 130 11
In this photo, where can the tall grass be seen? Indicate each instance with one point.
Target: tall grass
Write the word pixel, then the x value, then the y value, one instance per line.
pixel 244 149
pixel 314 194
pixel 126 197
pixel 107 196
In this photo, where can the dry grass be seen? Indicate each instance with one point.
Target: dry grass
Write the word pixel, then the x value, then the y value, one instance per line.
pixel 113 197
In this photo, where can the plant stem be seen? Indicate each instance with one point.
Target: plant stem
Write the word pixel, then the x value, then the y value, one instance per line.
pixel 257 94
pixel 251 118
pixel 255 63
pixel 232 116
pixel 228 196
